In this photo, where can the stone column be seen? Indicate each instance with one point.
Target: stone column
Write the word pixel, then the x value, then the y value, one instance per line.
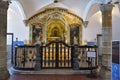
pixel 38 57
pixel 75 61
pixel 3 30
pixel 106 10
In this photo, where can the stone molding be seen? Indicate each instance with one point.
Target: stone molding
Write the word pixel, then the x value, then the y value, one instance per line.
pixel 106 7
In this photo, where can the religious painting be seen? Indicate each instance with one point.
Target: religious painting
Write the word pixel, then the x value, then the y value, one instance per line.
pixel 36 34
pixel 74 34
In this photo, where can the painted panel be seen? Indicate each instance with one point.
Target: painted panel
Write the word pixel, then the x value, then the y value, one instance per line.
pixel 116 60
pixel 74 33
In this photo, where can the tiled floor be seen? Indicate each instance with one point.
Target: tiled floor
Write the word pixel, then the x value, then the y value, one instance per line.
pixel 51 77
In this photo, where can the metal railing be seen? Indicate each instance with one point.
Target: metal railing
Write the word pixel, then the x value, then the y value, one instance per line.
pixel 56 55
pixel 88 57
pixel 24 57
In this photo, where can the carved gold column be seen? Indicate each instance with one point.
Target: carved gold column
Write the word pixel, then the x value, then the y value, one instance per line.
pixel 30 34
pixel 3 30
pixel 106 10
pixel 44 31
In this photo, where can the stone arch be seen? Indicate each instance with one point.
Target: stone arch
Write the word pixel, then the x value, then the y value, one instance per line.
pixel 90 9
pixel 20 8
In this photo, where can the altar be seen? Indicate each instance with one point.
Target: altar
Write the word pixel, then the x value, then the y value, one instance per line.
pixel 55 24
pixel 55 39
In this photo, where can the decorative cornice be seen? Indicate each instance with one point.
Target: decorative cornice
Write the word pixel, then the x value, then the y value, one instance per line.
pixel 75 24
pixel 54 9
pixel 85 23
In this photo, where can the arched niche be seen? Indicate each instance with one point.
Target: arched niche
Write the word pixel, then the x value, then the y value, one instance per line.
pixel 56 30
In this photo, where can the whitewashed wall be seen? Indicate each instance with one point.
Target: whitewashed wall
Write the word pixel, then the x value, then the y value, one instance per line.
pixel 16 25
pixel 116 24
pixel 94 27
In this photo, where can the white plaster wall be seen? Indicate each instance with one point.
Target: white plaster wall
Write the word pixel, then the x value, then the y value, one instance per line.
pixel 16 26
pixel 116 24
pixel 94 27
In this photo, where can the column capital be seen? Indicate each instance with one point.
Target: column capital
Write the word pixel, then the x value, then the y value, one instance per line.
pixel 85 23
pixel 4 4
pixel 106 7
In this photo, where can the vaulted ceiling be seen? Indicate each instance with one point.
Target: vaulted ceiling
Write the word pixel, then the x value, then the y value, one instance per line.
pixel 82 8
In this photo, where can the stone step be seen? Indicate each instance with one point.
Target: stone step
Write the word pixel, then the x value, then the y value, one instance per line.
pixel 49 71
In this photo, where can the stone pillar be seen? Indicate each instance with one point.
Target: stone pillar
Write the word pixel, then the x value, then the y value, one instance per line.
pixel 106 10
pixel 75 62
pixel 38 57
pixel 3 30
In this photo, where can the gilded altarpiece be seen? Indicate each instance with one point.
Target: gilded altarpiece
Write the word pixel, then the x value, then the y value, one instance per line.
pixel 56 24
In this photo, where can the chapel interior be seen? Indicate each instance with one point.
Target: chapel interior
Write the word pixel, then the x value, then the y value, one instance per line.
pixel 59 39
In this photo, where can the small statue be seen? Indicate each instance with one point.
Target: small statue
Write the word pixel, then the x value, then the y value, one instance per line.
pixel 39 38
pixel 75 41
pixel 16 41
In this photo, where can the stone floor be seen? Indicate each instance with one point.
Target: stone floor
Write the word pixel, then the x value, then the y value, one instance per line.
pixel 51 77
pixel 46 75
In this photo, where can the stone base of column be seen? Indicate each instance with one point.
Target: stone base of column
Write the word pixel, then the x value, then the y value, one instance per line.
pixel 4 74
pixel 96 72
pixel 105 73
pixel 37 66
